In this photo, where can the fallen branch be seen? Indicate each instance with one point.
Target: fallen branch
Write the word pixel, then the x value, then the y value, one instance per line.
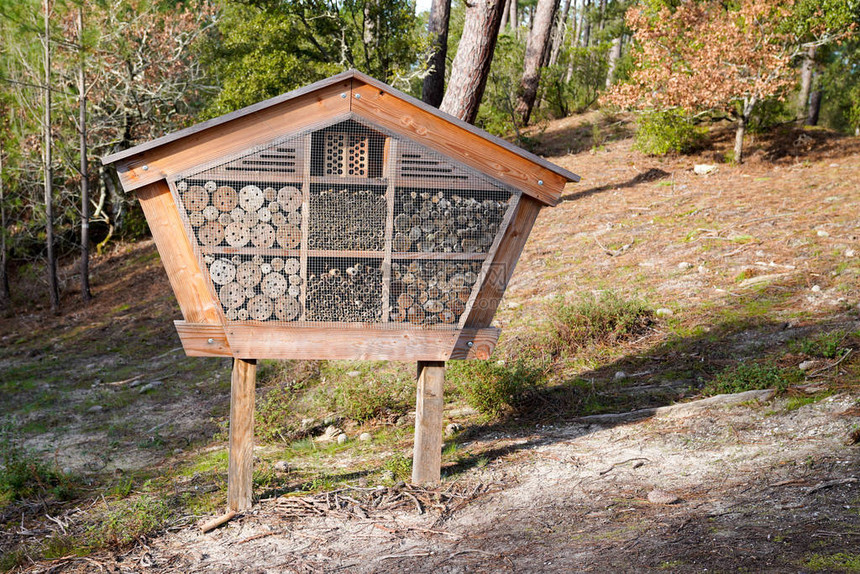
pixel 216 522
pixel 828 367
pixel 831 483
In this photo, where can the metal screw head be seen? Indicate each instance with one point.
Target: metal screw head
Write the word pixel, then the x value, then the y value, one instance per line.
pixel 470 344
pixel 343 94
pixel 357 96
pixel 145 168
pixel 540 182
pixel 210 341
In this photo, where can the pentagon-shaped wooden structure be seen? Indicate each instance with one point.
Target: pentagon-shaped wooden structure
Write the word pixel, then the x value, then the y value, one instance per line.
pixel 344 220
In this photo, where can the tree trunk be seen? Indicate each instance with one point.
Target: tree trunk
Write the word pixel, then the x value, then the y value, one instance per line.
pixel 612 60
pixel 85 184
pixel 559 33
pixel 513 18
pixel 806 71
pixel 586 24
pixel 814 108
pixel 471 65
pixel 743 119
pixel 5 297
pixel 434 82
pixel 535 49
pixel 54 291
pixel 505 15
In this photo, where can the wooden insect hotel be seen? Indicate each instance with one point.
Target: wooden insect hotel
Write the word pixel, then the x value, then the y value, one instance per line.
pixel 344 220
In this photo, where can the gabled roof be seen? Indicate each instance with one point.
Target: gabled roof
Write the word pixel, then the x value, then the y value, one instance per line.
pixel 341 94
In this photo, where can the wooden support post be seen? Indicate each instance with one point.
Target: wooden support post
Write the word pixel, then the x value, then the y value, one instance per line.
pixel 240 468
pixel 427 451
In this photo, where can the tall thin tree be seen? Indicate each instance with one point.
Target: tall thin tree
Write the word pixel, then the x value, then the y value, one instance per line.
pixel 85 192
pixel 535 51
pixel 807 69
pixel 471 64
pixel 53 287
pixel 434 81
pixel 4 266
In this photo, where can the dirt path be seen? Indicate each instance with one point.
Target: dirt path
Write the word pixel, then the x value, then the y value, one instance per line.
pixel 759 488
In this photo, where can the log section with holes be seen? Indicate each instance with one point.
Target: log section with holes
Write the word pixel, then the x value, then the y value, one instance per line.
pixel 344 220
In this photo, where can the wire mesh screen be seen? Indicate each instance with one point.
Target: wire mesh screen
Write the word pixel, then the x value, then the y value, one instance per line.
pixel 344 223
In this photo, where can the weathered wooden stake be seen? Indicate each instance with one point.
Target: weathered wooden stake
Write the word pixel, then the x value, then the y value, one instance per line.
pixel 240 469
pixel 427 451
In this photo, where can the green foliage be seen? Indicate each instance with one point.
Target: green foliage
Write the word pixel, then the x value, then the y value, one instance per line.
pixel 129 520
pixel 839 562
pixel 605 319
pixel 496 114
pixel 24 476
pixel 272 421
pixel 670 131
pixel 492 388
pixel 770 114
pixel 400 466
pixel 752 376
pixel 825 345
pixel 371 394
pixel 840 83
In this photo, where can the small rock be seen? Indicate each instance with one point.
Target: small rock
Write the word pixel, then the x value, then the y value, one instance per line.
pixel 387 475
pixel 816 288
pixel 684 265
pixel 178 451
pixel 513 305
pixel 67 470
pixel 364 437
pixel 281 466
pixel 806 365
pixel 331 433
pixel 704 168
pixel 849 253
pixel 342 438
pixel 822 233
pixel 150 386
pixel 353 374
pixel 620 376
pixel 703 269
pixel 405 420
pixel 664 312
pixel 453 429
pixel 95 409
pixel 662 497
pixel 307 423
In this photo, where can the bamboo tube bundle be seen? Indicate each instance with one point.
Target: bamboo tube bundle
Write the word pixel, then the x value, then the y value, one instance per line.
pixel 259 288
pixel 436 222
pixel 347 219
pixel 350 293
pixel 428 293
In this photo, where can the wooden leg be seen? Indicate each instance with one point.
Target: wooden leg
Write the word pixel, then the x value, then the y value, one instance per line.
pixel 240 468
pixel 427 452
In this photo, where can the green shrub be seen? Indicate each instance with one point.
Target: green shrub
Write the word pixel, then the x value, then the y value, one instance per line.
pixel 752 376
pixel 22 475
pixel 606 319
pixel 670 131
pixel 400 466
pixel 129 520
pixel 825 345
pixel 368 396
pixel 492 388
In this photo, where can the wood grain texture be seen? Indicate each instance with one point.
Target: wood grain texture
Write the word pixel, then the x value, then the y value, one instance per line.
pixel 277 342
pixel 483 343
pixel 502 268
pixel 187 280
pixel 234 136
pixel 451 140
pixel 390 164
pixel 427 451
pixel 196 339
pixel 240 466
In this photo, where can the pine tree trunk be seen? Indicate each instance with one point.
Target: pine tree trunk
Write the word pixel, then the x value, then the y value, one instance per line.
pixel 535 49
pixel 513 17
pixel 471 65
pixel 505 15
pixel 434 82
pixel 559 33
pixel 806 71
pixel 53 288
pixel 586 24
pixel 5 297
pixel 85 184
pixel 814 108
pixel 612 60
pixel 743 120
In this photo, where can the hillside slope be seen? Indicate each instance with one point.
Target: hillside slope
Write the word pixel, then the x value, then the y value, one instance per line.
pixel 633 470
